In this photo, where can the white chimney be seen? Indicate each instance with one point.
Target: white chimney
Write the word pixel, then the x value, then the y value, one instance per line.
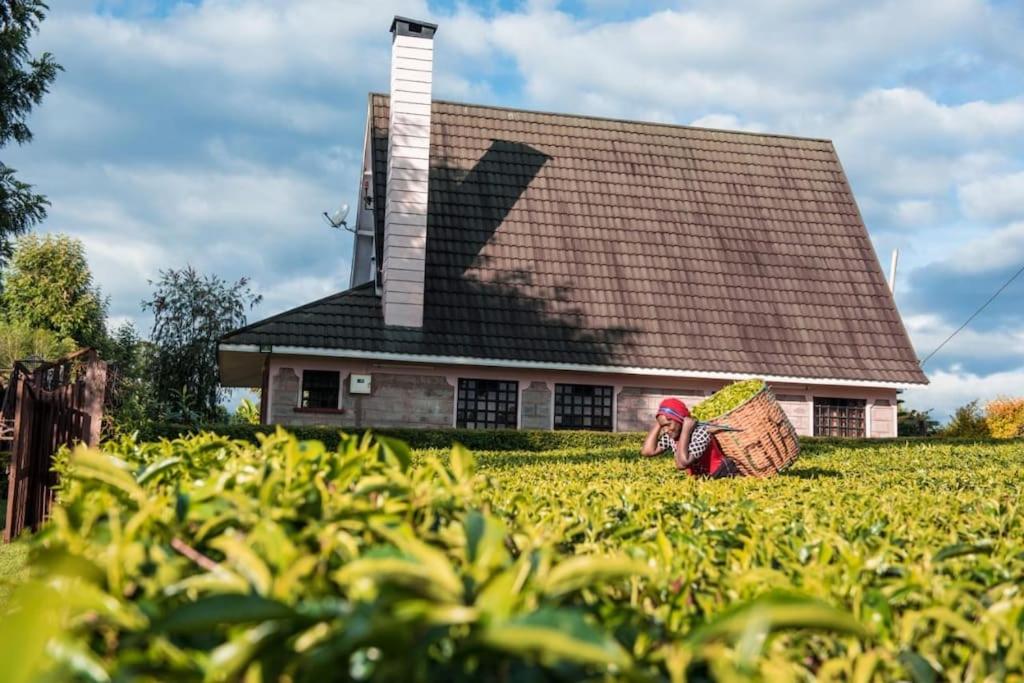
pixel 405 213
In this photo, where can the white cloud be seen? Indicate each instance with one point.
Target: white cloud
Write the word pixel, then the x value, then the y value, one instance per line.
pixel 302 288
pixel 239 219
pixel 995 198
pixel 916 212
pixel 951 389
pixel 726 122
pixel 929 330
pixel 994 250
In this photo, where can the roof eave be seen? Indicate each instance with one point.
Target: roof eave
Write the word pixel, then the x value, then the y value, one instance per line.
pixel 539 365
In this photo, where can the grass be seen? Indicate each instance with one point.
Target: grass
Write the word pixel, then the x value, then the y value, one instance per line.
pixel 12 567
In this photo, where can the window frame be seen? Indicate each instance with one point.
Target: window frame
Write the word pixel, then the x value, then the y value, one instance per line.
pixel 302 404
pixel 558 421
pixel 507 406
pixel 844 411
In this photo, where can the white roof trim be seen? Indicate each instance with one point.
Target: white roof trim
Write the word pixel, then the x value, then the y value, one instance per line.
pixel 535 365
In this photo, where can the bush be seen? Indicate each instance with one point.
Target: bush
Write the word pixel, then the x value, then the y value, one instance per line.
pixel 967 421
pixel 1004 417
pixel 209 558
pixel 474 439
pixel 914 422
pixel 529 441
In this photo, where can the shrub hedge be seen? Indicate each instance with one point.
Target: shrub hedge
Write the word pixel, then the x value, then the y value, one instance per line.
pixel 474 439
pixel 212 559
pixel 531 441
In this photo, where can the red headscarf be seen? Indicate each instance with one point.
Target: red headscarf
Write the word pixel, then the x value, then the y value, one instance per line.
pixel 673 409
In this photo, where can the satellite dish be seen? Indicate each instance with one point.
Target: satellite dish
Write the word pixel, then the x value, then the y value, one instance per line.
pixel 337 219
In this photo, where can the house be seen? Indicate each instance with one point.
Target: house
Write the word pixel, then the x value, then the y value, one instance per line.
pixel 533 270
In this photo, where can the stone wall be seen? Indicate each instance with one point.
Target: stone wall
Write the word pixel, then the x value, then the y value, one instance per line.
pixel 402 398
pixel 882 425
pixel 404 401
pixel 635 406
pixel 798 410
pixel 536 407
pixel 394 401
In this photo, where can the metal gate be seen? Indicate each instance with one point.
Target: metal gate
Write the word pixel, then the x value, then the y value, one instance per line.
pixel 53 405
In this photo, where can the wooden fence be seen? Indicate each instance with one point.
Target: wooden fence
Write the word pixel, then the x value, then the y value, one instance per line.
pixel 46 407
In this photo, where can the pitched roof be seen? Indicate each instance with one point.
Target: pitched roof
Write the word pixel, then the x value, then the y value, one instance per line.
pixel 568 239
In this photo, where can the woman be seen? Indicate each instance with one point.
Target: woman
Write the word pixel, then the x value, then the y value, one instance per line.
pixel 694 446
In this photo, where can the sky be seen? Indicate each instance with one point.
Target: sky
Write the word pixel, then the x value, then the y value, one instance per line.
pixel 216 132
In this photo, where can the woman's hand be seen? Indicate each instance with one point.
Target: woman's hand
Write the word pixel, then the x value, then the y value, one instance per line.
pixel 689 424
pixel 650 447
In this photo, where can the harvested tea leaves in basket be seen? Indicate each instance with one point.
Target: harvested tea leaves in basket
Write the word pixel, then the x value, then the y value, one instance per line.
pixel 727 398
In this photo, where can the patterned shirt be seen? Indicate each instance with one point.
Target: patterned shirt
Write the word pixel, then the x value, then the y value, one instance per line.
pixel 700 440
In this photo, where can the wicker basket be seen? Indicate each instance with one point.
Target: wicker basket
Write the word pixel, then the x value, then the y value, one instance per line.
pixel 768 443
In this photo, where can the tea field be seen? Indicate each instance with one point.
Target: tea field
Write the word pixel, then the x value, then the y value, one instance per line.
pixel 213 559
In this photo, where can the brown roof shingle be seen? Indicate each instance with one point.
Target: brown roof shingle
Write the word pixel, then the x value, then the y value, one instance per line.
pixel 566 239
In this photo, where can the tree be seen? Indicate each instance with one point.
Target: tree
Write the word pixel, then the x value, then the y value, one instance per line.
pixel 130 402
pixel 191 313
pixel 49 286
pixel 20 342
pixel 914 422
pixel 1004 417
pixel 967 421
pixel 23 82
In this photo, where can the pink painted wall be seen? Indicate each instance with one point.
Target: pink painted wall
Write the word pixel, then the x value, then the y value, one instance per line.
pixel 640 393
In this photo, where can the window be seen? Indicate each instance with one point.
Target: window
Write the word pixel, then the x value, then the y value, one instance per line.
pixel 487 404
pixel 320 389
pixel 583 406
pixel 839 417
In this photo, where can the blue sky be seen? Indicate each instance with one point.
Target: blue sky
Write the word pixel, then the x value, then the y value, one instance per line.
pixel 215 132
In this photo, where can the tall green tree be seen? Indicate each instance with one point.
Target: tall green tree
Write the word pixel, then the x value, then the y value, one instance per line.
pixel 968 421
pixel 191 312
pixel 24 80
pixel 130 401
pixel 20 342
pixel 49 286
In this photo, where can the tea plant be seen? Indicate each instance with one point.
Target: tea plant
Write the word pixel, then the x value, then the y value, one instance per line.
pixel 207 558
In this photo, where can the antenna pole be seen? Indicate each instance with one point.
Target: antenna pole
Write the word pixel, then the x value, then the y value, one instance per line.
pixel 892 271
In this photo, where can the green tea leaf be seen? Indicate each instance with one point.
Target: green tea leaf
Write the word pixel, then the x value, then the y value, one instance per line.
pixel 156 468
pixel 77 660
pixel 462 462
pixel 580 572
pixel 245 560
pixel 406 573
pixel 918 667
pixel 87 465
pixel 216 611
pixel 396 452
pixel 778 611
pixel 231 658
pixel 960 549
pixel 556 635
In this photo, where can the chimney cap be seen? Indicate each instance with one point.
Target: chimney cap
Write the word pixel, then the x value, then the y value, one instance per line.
pixel 403 26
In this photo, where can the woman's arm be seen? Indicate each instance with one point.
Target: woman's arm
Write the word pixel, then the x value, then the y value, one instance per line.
pixel 683 459
pixel 650 447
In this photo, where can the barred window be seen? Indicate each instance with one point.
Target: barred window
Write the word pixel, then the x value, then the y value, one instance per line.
pixel 839 417
pixel 487 404
pixel 320 388
pixel 583 406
